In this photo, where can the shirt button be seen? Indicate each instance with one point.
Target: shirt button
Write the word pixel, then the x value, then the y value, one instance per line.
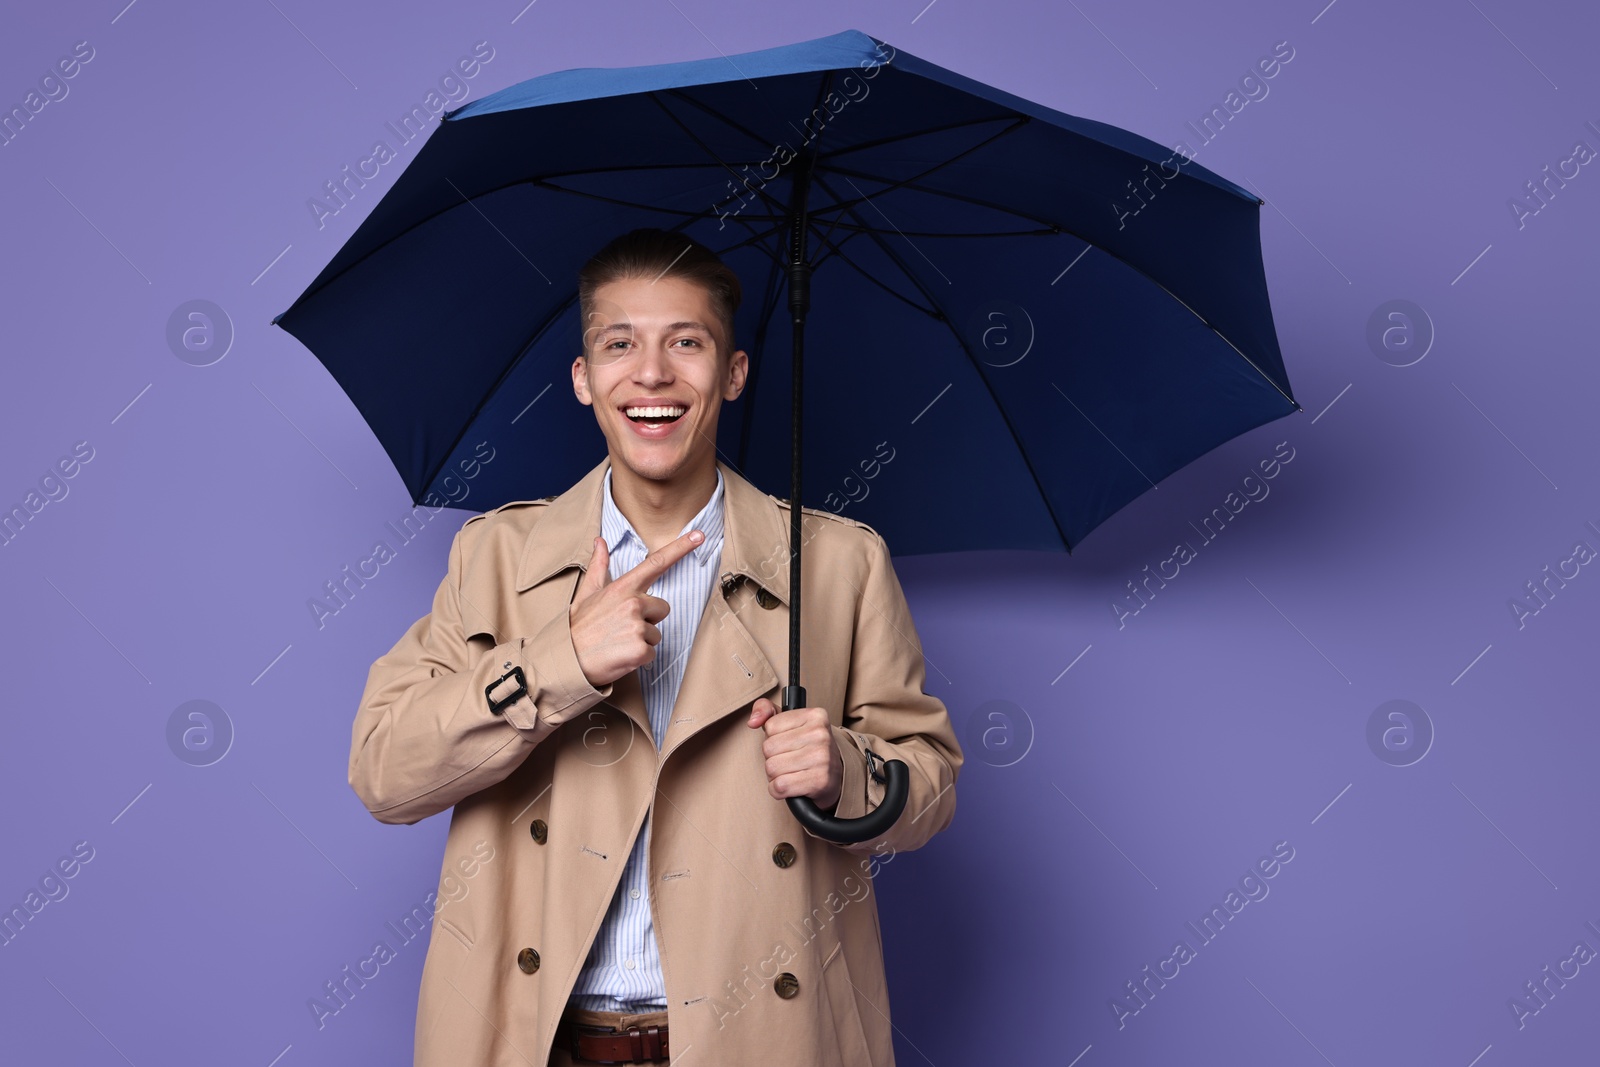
pixel 783 854
pixel 528 960
pixel 628 964
pixel 786 985
pixel 539 830
pixel 634 893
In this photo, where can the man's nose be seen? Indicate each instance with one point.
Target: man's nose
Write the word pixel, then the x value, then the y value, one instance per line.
pixel 654 364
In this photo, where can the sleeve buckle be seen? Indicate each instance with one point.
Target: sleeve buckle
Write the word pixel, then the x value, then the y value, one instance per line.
pixel 496 707
pixel 872 768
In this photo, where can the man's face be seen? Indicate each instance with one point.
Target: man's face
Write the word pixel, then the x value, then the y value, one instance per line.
pixel 652 345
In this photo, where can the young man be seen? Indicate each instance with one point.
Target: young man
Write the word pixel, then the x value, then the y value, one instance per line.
pixel 594 692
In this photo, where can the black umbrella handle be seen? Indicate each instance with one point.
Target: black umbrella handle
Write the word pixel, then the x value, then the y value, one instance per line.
pixel 874 823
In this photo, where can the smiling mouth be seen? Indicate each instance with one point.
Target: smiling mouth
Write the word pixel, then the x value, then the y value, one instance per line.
pixel 655 419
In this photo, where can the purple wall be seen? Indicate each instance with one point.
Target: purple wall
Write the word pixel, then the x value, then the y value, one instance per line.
pixel 1151 760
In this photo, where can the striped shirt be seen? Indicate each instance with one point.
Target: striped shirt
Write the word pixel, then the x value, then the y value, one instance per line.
pixel 623 970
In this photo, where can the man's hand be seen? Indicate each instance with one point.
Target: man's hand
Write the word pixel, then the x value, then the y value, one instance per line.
pixel 802 760
pixel 613 622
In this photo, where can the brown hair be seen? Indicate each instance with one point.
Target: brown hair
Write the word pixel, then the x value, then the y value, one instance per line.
pixel 654 253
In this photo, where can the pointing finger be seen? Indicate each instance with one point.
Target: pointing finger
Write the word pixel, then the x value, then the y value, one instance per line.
pixel 657 563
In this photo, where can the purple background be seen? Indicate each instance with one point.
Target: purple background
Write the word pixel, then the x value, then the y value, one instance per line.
pixel 1228 715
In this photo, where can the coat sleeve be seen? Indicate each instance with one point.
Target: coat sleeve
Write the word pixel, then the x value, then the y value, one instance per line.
pixel 424 737
pixel 887 711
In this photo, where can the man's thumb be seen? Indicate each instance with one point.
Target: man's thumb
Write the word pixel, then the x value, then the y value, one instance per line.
pixel 599 572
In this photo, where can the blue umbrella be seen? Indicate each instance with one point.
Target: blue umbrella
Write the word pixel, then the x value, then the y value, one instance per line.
pixel 1039 315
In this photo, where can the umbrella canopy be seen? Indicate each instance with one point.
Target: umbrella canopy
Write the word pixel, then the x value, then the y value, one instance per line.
pixel 1036 314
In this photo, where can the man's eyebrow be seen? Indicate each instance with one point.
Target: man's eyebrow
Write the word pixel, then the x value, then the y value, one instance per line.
pixel 627 327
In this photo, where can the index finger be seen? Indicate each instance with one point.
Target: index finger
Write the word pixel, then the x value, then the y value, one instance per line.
pixel 657 563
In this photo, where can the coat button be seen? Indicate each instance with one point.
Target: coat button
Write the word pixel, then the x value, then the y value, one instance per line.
pixel 786 985
pixel 539 831
pixel 766 599
pixel 783 854
pixel 528 960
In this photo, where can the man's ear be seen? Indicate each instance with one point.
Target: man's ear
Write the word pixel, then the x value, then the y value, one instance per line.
pixel 580 380
pixel 738 370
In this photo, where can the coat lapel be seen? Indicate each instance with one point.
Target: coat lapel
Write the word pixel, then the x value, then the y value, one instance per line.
pixel 727 667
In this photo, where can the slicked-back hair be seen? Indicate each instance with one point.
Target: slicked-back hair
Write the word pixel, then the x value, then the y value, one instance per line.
pixel 655 253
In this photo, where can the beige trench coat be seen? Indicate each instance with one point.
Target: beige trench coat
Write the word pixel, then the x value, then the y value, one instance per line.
pixel 550 795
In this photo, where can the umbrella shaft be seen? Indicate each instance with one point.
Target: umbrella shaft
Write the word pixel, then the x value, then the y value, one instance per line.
pixel 799 304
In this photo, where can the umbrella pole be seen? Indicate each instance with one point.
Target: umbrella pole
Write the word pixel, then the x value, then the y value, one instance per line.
pixel 895 773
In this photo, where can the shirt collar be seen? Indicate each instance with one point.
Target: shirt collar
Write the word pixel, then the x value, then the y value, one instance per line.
pixel 615 527
pixel 561 534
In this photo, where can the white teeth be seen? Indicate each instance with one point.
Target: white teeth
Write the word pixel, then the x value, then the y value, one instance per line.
pixel 633 413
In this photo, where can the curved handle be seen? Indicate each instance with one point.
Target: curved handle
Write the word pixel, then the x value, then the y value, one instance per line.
pixel 872 824
pixel 896 789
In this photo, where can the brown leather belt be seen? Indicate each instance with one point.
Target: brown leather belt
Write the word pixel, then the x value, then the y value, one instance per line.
pixel 604 1044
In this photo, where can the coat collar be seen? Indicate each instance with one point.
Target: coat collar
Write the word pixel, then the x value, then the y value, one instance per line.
pixel 755 534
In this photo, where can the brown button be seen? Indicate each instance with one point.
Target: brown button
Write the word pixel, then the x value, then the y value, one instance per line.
pixel 786 985
pixel 783 854
pixel 539 830
pixel 766 599
pixel 528 960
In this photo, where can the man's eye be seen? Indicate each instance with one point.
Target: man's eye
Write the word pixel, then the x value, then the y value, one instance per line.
pixel 692 341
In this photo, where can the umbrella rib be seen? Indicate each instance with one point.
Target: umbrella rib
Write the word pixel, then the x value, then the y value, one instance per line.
pixel 877 239
pixel 683 126
pixel 1013 118
pixel 754 237
pixel 896 138
pixel 1206 323
pixel 891 185
pixel 932 313
pixel 759 140
pixel 911 183
pixel 1052 232
pixel 838 250
pixel 691 215
pixel 1058 227
pixel 725 120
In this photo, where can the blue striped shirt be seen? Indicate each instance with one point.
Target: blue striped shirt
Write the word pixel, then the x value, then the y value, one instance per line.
pixel 623 970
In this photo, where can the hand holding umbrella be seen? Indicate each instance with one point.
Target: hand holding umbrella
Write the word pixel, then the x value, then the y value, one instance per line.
pixel 801 757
